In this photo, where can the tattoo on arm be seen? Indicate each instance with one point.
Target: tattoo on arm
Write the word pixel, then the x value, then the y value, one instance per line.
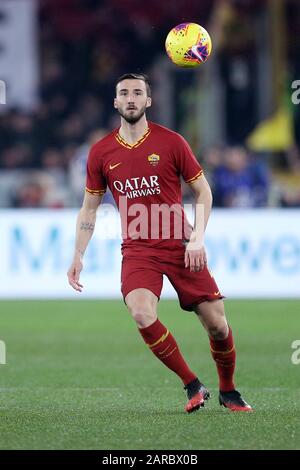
pixel 87 226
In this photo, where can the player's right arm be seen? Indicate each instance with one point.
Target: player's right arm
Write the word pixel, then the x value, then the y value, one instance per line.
pixel 84 230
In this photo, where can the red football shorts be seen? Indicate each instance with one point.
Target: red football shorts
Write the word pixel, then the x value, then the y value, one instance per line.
pixel 147 270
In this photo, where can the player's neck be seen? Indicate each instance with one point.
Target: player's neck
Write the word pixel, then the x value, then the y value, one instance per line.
pixel 131 133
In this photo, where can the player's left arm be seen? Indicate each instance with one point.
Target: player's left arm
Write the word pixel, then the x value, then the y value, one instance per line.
pixel 195 256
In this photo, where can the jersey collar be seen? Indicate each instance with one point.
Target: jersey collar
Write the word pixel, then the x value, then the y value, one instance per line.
pixel 123 142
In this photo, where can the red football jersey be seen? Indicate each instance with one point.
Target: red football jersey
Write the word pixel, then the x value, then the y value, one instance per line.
pixel 144 179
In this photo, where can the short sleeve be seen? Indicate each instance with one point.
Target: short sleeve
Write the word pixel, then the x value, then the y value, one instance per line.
pixel 186 162
pixel 95 179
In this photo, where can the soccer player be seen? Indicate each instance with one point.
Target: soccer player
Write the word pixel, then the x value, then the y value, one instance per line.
pixel 141 163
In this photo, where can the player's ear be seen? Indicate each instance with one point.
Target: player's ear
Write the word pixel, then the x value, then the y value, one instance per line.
pixel 115 103
pixel 148 102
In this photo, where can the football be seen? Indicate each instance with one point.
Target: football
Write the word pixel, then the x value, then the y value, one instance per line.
pixel 188 45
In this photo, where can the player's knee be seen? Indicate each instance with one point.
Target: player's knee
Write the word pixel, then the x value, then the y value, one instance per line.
pixel 218 331
pixel 142 315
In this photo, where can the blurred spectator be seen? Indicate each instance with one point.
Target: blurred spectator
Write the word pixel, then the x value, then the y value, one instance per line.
pixel 38 189
pixel 212 159
pixel 77 169
pixel 32 194
pixel 285 190
pixel 17 156
pixel 290 199
pixel 240 181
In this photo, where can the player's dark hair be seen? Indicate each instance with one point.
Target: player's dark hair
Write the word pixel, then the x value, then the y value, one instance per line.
pixel 136 76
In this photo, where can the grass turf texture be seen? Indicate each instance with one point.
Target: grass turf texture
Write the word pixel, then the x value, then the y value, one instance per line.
pixel 78 376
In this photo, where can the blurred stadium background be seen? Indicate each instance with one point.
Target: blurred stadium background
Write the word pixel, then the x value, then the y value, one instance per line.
pixel 59 60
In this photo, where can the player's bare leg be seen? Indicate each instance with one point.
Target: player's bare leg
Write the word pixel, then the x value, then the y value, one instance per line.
pixel 212 316
pixel 142 304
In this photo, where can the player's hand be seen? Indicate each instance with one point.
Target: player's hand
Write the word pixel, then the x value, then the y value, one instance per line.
pixel 195 258
pixel 74 275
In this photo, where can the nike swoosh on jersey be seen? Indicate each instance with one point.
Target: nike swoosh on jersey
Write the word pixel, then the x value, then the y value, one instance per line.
pixel 217 293
pixel 111 167
pixel 194 49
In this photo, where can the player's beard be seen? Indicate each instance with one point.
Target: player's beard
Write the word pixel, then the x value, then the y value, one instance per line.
pixel 132 118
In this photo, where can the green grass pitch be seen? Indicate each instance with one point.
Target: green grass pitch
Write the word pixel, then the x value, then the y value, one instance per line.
pixel 78 376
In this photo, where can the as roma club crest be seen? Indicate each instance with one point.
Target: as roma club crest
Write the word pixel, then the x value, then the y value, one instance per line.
pixel 153 159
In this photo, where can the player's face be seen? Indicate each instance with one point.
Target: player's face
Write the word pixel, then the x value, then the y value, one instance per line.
pixel 132 100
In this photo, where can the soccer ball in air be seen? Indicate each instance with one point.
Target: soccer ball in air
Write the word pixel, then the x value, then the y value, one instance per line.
pixel 188 45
